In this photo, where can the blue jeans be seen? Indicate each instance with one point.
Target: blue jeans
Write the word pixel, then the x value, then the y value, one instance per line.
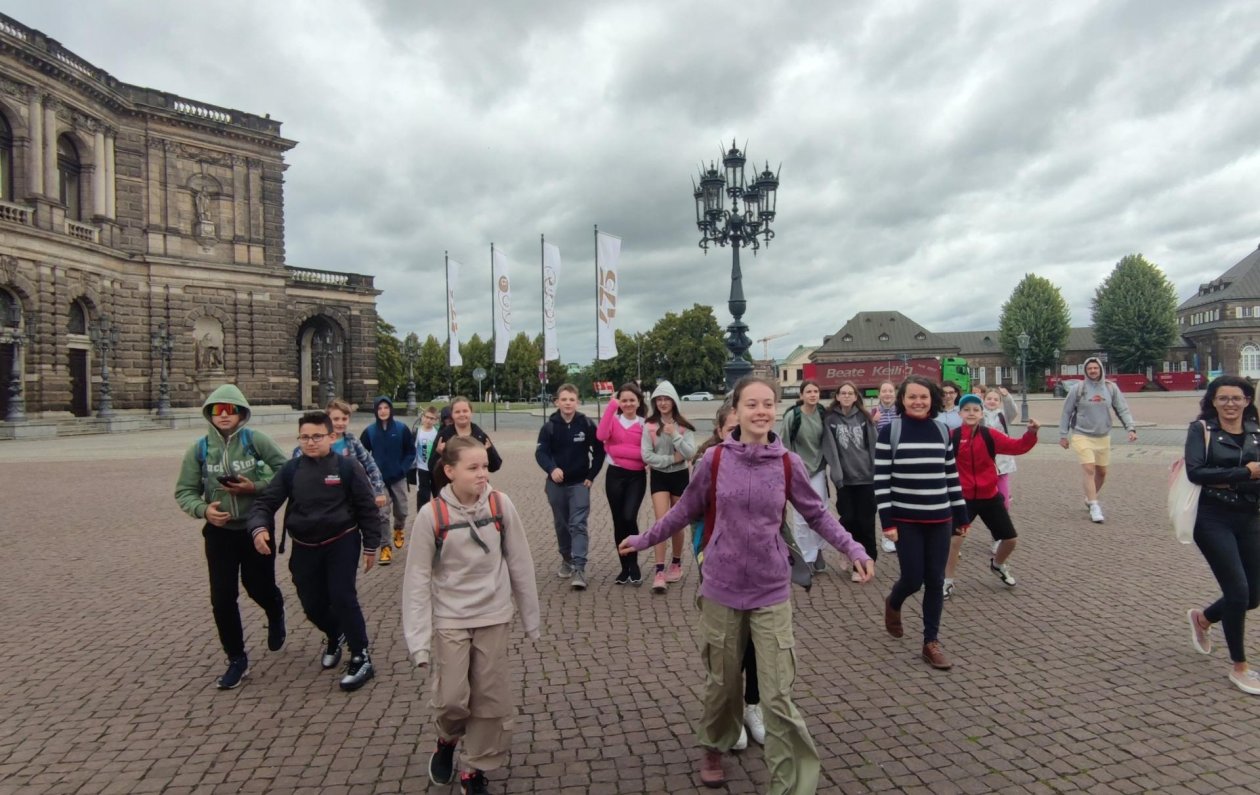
pixel 922 550
pixel 1230 543
pixel 570 506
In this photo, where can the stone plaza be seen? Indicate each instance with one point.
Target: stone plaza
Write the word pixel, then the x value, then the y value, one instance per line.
pixel 1081 678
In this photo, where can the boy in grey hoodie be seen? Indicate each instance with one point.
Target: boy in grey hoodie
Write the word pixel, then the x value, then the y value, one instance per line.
pixel 1085 426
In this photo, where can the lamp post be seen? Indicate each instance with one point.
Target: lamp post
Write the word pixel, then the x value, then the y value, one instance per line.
pixel 737 227
pixel 104 335
pixel 638 358
pixel 17 336
pixel 411 352
pixel 331 347
pixel 163 345
pixel 1023 339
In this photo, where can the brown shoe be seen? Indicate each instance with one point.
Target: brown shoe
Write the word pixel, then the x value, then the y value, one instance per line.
pixel 892 619
pixel 711 773
pixel 934 656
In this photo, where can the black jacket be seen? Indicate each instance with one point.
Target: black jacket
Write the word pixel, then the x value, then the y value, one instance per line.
pixel 321 504
pixel 572 446
pixel 1224 464
pixel 447 433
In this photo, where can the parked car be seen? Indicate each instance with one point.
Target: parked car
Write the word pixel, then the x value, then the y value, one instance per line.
pixel 441 399
pixel 698 396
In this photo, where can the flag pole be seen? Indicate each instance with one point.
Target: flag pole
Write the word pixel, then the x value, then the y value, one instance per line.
pixel 542 271
pixel 494 345
pixel 594 367
pixel 450 371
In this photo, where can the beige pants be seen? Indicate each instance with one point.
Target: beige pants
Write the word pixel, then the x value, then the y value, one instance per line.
pixel 472 695
pixel 790 753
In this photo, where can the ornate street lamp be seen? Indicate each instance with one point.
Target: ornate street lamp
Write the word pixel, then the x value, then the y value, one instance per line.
pixel 411 352
pixel 737 227
pixel 104 336
pixel 331 348
pixel 1023 339
pixel 163 345
pixel 17 336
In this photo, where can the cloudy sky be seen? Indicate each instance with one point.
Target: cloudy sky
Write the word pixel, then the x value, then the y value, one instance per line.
pixel 932 152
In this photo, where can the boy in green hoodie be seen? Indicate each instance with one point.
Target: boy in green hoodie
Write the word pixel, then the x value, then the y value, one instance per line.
pixel 218 479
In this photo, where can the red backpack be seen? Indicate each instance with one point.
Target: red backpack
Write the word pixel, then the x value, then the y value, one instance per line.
pixel 442 525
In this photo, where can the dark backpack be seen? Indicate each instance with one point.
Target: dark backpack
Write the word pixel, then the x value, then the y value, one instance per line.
pixel 203 448
pixel 894 436
pixel 442 525
pixel 955 439
pixel 345 471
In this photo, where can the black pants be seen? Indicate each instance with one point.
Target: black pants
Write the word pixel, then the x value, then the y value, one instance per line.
pixel 994 515
pixel 325 581
pixel 1230 543
pixel 922 550
pixel 856 506
pixel 752 693
pixel 424 488
pixel 625 489
pixel 230 555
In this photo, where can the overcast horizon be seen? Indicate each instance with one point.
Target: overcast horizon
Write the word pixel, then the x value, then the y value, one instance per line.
pixel 932 152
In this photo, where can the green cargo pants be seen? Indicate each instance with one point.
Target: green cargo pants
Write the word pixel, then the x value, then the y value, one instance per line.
pixel 790 753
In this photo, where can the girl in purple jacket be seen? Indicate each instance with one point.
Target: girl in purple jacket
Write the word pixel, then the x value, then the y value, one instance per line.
pixel 745 588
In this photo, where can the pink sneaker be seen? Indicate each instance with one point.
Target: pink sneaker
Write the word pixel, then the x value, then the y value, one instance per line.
pixel 673 573
pixel 658 582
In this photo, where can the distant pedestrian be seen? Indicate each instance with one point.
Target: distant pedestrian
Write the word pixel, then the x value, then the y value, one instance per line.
pixel 950 392
pixel 667 445
pixel 999 411
pixel 469 571
pixel 885 411
pixel 344 443
pixel 571 456
pixel 625 481
pixel 1222 455
pixel 849 449
pixel 425 432
pixel 461 425
pixel 1085 426
pixel 394 449
pixel 802 433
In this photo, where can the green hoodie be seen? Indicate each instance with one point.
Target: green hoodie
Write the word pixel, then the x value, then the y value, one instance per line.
pixel 197 485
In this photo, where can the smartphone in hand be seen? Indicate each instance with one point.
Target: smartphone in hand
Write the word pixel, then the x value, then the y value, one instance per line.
pixel 228 480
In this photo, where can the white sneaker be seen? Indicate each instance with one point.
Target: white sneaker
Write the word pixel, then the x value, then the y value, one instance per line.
pixel 1095 513
pixel 886 545
pixel 1248 681
pixel 742 742
pixel 948 590
pixel 1003 571
pixel 756 723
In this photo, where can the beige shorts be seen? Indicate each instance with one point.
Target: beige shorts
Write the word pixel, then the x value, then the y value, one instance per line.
pixel 1094 450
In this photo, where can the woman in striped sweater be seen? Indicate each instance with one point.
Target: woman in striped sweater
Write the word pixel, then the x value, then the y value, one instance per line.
pixel 920 506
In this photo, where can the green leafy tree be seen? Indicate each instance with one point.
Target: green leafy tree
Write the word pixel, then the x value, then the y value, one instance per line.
pixel 391 370
pixel 1135 314
pixel 687 349
pixel 557 372
pixel 518 378
pixel 476 352
pixel 431 369
pixel 1036 308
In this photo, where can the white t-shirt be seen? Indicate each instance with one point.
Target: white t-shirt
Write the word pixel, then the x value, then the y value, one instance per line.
pixel 424 443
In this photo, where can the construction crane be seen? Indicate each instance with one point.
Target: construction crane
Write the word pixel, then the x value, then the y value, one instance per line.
pixel 765 343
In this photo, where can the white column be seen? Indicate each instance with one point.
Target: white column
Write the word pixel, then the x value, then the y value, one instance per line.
pixel 110 178
pixel 98 173
pixel 35 153
pixel 50 151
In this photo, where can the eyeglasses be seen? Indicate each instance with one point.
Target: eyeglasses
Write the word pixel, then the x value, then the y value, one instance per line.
pixel 222 409
pixel 314 438
pixel 1231 399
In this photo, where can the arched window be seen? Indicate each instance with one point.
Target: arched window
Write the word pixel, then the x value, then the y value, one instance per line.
pixel 1250 364
pixel 68 171
pixel 8 304
pixel 77 324
pixel 6 159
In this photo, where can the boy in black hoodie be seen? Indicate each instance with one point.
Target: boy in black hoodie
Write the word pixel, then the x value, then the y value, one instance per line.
pixel 332 520
pixel 571 456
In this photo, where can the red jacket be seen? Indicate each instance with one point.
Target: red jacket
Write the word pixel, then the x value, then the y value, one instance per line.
pixel 977 474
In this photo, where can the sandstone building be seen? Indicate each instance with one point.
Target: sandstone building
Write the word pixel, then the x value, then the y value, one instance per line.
pixel 138 211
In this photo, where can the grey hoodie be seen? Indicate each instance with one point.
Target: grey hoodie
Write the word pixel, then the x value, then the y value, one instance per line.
pixel 849 448
pixel 658 448
pixel 1088 406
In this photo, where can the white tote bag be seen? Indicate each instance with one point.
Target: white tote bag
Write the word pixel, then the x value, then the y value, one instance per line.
pixel 1183 497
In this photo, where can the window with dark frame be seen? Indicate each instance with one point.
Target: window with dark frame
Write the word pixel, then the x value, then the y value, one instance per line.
pixel 69 171
pixel 6 159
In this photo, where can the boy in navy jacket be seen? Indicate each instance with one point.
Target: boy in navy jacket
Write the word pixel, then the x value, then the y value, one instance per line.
pixel 571 456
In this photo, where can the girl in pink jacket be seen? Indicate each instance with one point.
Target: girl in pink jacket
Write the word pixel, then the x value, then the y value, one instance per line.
pixel 621 431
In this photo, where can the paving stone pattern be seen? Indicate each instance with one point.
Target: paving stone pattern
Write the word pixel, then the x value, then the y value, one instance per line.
pixel 1082 678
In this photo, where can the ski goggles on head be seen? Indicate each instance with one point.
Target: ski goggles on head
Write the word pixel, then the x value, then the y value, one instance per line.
pixel 222 410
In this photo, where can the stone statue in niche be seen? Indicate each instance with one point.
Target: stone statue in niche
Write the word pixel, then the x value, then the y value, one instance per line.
pixel 208 345
pixel 205 189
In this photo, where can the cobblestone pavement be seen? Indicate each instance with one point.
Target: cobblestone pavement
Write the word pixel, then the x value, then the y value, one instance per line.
pixel 1081 678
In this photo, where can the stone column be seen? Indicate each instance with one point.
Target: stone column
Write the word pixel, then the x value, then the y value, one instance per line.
pixel 35 153
pixel 99 174
pixel 111 178
pixel 50 150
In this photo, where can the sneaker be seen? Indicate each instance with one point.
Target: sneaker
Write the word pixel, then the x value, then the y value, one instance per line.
pixel 635 581
pixel 1003 572
pixel 756 723
pixel 387 556
pixel 819 565
pixel 622 579
pixel 276 633
pixel 473 783
pixel 1095 513
pixel 1248 681
pixel 948 590
pixel 887 545
pixel 711 773
pixel 442 762
pixel 673 573
pixel 565 571
pixel 358 672
pixel 398 538
pixel 742 742
pixel 1200 638
pixel 855 577
pixel 332 653
pixel 238 669
pixel 934 656
pixel 578 583
pixel 658 582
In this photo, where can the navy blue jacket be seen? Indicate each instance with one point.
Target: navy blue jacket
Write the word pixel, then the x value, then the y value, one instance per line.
pixel 572 446
pixel 391 444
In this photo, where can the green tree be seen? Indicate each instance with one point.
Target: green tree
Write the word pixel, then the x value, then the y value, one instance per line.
pixel 391 370
pixel 476 352
pixel 518 378
pixel 1135 314
pixel 1036 308
pixel 431 369
pixel 685 348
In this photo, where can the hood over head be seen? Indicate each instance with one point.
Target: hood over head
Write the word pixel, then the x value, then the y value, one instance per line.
pixel 1101 366
pixel 228 393
pixel 666 389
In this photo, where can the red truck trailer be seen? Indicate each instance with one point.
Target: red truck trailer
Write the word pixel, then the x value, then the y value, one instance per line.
pixel 869 374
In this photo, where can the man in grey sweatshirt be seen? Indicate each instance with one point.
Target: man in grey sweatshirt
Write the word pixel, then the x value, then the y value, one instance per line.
pixel 1086 427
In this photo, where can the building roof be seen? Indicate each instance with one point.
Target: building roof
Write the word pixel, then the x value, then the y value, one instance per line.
pixel 987 343
pixel 799 354
pixel 1239 283
pixel 888 331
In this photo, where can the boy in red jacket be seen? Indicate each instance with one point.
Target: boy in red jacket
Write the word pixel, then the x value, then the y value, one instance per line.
pixel 974 449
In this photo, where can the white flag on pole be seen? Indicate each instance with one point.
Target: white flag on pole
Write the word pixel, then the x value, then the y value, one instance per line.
pixel 502 307
pixel 454 358
pixel 551 278
pixel 607 256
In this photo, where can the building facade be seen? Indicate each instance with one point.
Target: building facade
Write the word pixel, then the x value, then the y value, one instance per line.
pixel 134 221
pixel 1222 320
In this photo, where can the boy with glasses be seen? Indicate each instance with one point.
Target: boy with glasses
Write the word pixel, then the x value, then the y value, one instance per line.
pixel 332 520
pixel 218 479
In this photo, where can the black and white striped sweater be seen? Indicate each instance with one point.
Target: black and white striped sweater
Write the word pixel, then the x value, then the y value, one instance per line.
pixel 921 485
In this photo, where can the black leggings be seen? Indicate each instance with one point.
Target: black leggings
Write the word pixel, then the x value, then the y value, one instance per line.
pixel 856 506
pixel 752 693
pixel 625 489
pixel 922 550
pixel 1230 543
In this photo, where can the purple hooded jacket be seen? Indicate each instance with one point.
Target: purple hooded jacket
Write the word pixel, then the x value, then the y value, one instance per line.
pixel 746 560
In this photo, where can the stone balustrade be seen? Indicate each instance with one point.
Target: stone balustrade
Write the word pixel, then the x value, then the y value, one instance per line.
pixel 85 232
pixel 16 213
pixel 311 276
